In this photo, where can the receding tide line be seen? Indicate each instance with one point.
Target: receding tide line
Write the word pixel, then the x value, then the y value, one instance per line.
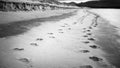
pixel 20 27
pixel 107 36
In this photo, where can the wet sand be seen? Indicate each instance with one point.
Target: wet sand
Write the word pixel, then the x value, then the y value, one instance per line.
pixel 107 36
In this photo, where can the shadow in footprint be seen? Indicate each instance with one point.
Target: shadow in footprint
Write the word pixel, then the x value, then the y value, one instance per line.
pixel 84 31
pixel 84 51
pixel 75 23
pixel 34 44
pixel 50 33
pixel 95 26
pixel 24 60
pixel 94 46
pixel 85 35
pixel 92 39
pixel 88 30
pixel 61 32
pixel 90 27
pixel 94 58
pixel 69 28
pixel 51 36
pixel 84 28
pixel 89 33
pixel 18 49
pixel 62 26
pixel 60 29
pixel 65 24
pixel 86 42
pixel 39 39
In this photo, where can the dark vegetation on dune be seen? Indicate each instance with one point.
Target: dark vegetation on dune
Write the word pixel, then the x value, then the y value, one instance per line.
pixel 101 4
pixel 31 6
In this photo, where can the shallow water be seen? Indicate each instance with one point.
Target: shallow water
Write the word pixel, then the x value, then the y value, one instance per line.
pixel 107 38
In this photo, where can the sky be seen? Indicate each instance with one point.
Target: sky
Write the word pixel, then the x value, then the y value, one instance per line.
pixel 77 1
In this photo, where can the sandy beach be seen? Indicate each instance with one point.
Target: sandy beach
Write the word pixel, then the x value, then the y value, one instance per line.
pixel 71 42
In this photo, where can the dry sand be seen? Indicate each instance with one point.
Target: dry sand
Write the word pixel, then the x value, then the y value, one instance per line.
pixel 68 43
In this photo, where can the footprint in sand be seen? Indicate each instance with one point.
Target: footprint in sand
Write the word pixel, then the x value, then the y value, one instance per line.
pixel 84 28
pixel 86 42
pixel 85 35
pixel 91 39
pixel 39 39
pixel 84 51
pixel 60 29
pixel 94 58
pixel 61 32
pixel 90 27
pixel 18 49
pixel 62 26
pixel 34 44
pixel 86 66
pixel 50 33
pixel 88 30
pixel 75 23
pixel 24 60
pixel 84 31
pixel 65 24
pixel 89 33
pixel 94 46
pixel 69 28
pixel 51 36
pixel 95 26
